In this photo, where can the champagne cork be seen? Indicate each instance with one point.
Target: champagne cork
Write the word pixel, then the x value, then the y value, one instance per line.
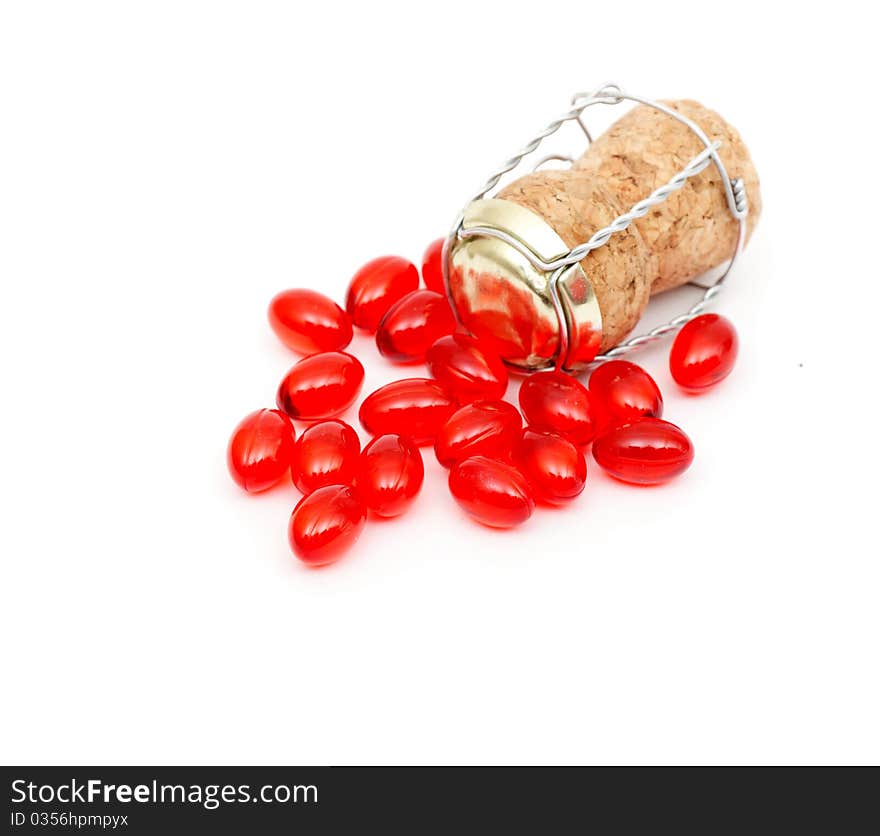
pixel 688 234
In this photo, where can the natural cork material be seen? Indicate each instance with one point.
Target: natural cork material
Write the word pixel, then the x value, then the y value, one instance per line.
pixel 686 235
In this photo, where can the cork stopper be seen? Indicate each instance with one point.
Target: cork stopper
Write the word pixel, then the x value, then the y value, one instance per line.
pixel 690 233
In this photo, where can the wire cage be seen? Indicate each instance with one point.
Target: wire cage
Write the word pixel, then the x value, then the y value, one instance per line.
pixel 610 94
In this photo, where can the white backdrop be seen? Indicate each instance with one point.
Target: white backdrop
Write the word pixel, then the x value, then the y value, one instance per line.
pixel 168 166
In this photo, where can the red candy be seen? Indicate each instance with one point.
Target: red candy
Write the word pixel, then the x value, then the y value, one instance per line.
pixel 704 352
pixel 492 492
pixel 432 267
pixel 557 403
pixel 321 386
pixel 497 469
pixel 260 450
pixel 327 453
pixel 326 523
pixel 554 468
pixel 391 475
pixel 308 322
pixel 646 452
pixel 469 371
pixel 626 392
pixel 484 428
pixel 376 287
pixel 413 324
pixel 415 407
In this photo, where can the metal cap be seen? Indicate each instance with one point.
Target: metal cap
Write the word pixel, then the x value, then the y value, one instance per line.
pixel 504 299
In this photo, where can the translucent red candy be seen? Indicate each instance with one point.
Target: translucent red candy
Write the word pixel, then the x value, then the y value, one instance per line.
pixel 260 450
pixel 432 267
pixel 703 352
pixel 415 407
pixel 327 453
pixel 492 492
pixel 557 403
pixel 390 475
pixel 376 287
pixel 626 392
pixel 321 386
pixel 486 428
pixel 469 371
pixel 553 467
pixel 646 452
pixel 413 324
pixel 497 469
pixel 325 524
pixel 307 321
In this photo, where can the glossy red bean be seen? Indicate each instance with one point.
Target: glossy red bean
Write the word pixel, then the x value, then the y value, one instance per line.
pixel 647 452
pixel 415 407
pixel 327 453
pixel 325 524
pixel 432 267
pixel 484 428
pixel 492 492
pixel 321 386
pixel 260 450
pixel 391 475
pixel 469 371
pixel 704 352
pixel 626 392
pixel 307 321
pixel 413 324
pixel 557 403
pixel 554 468
pixel 376 287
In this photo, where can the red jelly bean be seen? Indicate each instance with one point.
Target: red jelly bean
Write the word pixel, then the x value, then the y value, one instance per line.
pixel 554 468
pixel 413 324
pixel 626 392
pixel 646 452
pixel 469 371
pixel 391 475
pixel 307 321
pixel 325 524
pixel 415 407
pixel 432 266
pixel 557 403
pixel 484 428
pixel 492 492
pixel 321 386
pixel 327 453
pixel 376 287
pixel 703 352
pixel 260 450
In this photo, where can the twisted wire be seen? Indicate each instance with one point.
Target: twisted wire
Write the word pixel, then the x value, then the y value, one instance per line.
pixel 739 194
pixel 604 95
pixel 661 330
pixel 620 223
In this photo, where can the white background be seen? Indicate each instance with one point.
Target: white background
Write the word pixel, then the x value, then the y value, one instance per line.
pixel 167 167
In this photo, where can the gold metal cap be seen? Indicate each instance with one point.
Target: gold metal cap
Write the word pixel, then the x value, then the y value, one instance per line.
pixel 504 300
